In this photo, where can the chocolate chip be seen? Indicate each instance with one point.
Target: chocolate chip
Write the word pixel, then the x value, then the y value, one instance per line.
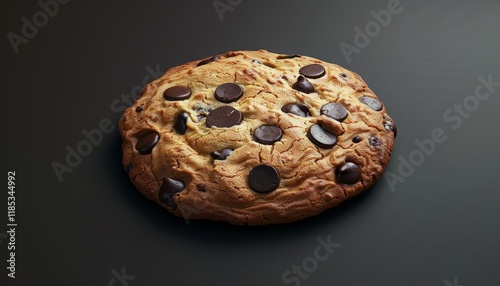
pixel 349 173
pixel 303 85
pixel 321 137
pixel 356 139
pixel 180 124
pixel 371 102
pixel 209 60
pixel 201 187
pixel 168 189
pixel 256 61
pixel 177 93
pixel 147 142
pixel 138 109
pixel 390 126
pixel 344 75
pixel 374 141
pixel 202 112
pixel 224 116
pixel 298 109
pixel 264 179
pixel 334 110
pixel 267 134
pixel 221 154
pixel 228 92
pixel 280 57
pixel 313 71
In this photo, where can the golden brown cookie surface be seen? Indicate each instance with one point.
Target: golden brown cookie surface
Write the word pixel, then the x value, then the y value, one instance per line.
pixel 253 137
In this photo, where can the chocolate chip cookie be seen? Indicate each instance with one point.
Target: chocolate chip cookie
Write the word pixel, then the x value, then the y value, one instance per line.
pixel 253 137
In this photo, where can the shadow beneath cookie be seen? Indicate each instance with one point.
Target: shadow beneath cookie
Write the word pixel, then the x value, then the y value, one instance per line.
pixel 227 234
pixel 221 233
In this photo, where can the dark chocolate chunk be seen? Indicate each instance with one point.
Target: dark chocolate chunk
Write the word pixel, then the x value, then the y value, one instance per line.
pixel 256 61
pixel 180 124
pixel 298 109
pixel 138 109
pixel 374 141
pixel 344 75
pixel 209 60
pixel 147 142
pixel 228 92
pixel 313 71
pixel 303 85
pixel 321 137
pixel 356 139
pixel 177 93
pixel 390 126
pixel 267 134
pixel 264 179
pixel 373 103
pixel 221 154
pixel 334 110
pixel 280 57
pixel 349 173
pixel 224 116
pixel 168 189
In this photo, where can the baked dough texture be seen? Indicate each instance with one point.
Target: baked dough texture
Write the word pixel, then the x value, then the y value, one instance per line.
pixel 254 137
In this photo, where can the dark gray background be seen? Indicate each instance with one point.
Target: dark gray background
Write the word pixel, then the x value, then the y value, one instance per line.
pixel 438 227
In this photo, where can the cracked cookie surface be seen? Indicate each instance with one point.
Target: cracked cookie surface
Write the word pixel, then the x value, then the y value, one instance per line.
pixel 254 137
